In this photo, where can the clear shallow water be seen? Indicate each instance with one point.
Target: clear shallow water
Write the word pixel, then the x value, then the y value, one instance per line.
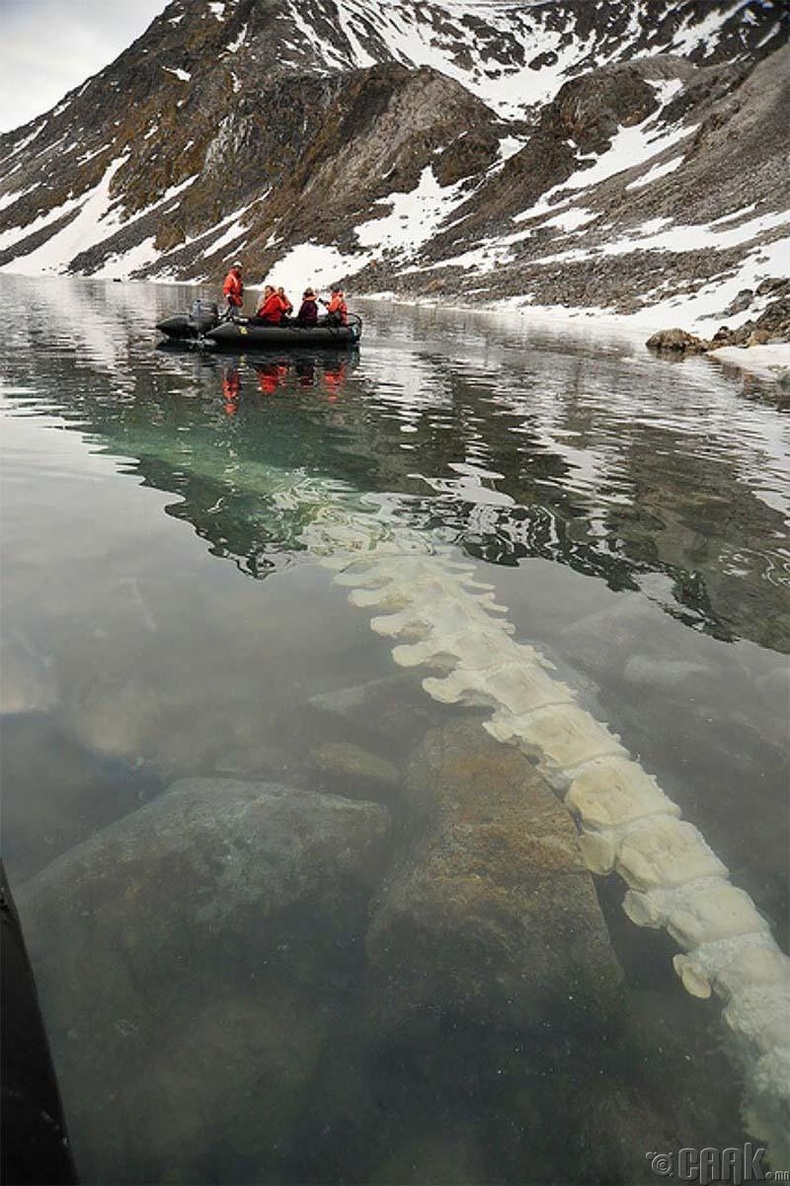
pixel 163 619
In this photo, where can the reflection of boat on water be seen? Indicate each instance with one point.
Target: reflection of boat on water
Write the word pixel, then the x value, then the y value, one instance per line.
pixel 203 326
pixel 319 370
pixel 307 371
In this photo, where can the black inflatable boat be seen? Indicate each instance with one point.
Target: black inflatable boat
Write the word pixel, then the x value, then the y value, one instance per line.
pixel 34 1146
pixel 203 326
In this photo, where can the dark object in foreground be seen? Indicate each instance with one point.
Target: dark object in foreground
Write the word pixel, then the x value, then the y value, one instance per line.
pixel 202 326
pixel 35 1146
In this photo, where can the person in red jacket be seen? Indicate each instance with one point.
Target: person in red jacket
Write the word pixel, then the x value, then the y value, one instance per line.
pixel 271 309
pixel 231 388
pixel 233 288
pixel 288 306
pixel 337 308
pixel 333 380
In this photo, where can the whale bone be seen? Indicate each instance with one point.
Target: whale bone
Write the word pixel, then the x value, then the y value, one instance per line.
pixel 627 823
pixel 760 1014
pixel 664 851
pixel 566 735
pixel 730 964
pixel 520 688
pixel 697 913
pixel 613 791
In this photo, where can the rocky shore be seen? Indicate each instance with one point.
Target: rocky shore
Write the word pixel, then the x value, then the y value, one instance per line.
pixel 771 325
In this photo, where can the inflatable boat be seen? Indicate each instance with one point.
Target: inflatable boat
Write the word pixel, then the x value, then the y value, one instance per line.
pixel 34 1144
pixel 203 326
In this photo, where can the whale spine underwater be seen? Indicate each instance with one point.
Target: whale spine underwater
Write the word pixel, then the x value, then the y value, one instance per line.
pixel 445 618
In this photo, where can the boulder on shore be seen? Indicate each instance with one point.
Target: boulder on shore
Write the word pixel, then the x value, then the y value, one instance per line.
pixel 676 341
pixel 773 323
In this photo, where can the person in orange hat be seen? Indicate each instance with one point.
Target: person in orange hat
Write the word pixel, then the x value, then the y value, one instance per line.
pixel 233 288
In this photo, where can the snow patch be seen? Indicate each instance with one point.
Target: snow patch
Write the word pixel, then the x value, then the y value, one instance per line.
pixel 238 42
pixel 314 265
pixel 569 220
pixel 629 147
pixel 656 172
pixel 767 362
pixel 9 199
pixel 77 236
pixel 414 218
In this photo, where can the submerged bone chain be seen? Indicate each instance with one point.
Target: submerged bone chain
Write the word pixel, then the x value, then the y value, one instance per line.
pixel 443 617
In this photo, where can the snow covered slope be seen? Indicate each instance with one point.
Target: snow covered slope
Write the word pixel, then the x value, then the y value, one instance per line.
pixel 614 154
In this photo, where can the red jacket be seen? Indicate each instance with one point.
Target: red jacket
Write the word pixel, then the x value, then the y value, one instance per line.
pixel 338 306
pixel 233 289
pixel 272 309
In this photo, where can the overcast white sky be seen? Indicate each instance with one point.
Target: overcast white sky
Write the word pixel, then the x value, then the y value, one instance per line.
pixel 49 46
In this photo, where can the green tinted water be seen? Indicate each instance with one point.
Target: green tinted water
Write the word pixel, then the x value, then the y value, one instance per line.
pixel 163 618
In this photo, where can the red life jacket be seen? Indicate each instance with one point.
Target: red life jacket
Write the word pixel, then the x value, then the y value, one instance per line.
pixel 338 306
pixel 272 309
pixel 233 289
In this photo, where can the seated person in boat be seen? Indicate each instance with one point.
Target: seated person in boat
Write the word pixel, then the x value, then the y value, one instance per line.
pixel 271 308
pixel 288 306
pixel 308 310
pixel 233 288
pixel 337 309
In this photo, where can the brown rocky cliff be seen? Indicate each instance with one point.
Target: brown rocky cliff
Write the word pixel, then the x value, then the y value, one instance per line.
pixel 258 124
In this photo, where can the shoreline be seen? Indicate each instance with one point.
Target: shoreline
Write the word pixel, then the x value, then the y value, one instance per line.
pixel 770 361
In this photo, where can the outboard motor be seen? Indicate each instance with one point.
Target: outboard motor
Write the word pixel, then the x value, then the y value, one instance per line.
pixel 203 316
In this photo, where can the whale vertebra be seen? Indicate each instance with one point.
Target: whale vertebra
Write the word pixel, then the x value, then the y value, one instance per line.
pixel 627 824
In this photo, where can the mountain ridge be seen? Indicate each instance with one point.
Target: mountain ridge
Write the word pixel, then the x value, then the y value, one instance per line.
pixel 275 130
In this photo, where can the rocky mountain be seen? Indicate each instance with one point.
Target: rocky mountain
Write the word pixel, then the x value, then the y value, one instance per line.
pixel 553 151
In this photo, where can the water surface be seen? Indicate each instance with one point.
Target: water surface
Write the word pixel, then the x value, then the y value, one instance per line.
pixel 163 618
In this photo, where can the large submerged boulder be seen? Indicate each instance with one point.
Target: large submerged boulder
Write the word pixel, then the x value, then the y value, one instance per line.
pixel 193 960
pixel 489 912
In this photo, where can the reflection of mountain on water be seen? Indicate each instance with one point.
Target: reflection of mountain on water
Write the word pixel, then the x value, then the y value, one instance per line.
pixel 508 535
pixel 249 496
pixel 638 474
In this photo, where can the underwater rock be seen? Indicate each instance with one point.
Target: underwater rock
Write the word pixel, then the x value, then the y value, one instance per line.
pixel 393 709
pixel 218 890
pixel 489 911
pixel 114 716
pixel 662 673
pixel 56 792
pixel 217 1092
pixel 350 770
